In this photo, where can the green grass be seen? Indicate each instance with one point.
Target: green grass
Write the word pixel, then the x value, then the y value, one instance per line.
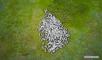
pixel 20 19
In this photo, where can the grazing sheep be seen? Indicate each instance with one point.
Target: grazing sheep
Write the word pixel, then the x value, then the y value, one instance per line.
pixel 52 31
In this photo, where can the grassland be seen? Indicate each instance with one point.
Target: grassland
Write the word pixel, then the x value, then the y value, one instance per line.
pixel 19 23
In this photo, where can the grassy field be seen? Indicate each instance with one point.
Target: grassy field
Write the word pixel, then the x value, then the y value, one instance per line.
pixel 20 19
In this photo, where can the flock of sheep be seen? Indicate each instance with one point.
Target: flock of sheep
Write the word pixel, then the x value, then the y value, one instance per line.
pixel 52 31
